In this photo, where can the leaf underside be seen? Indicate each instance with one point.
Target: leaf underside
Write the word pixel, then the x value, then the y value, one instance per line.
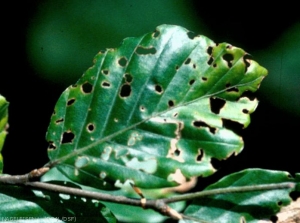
pixel 250 207
pixel 154 112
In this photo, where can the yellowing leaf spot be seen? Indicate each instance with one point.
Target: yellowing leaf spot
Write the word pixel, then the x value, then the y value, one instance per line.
pixel 178 177
pixel 106 153
pixel 148 166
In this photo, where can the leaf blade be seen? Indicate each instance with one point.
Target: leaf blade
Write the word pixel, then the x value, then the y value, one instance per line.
pixel 144 112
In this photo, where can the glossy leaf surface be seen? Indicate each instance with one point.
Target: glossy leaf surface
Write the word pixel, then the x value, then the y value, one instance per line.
pixel 154 112
pixel 3 126
pixel 247 207
pixel 25 205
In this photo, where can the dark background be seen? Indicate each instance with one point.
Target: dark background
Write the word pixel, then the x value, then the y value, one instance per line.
pixel 32 83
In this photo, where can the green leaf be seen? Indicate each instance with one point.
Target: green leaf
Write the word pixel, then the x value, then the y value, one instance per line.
pixel 19 204
pixel 247 207
pixel 154 112
pixel 3 126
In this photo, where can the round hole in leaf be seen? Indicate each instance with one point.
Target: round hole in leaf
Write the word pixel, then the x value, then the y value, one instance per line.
pixel 90 127
pixel 177 152
pixel 105 72
pixel 245 111
pixel 125 90
pixel 204 78
pixel 122 62
pixel 128 78
pixel 71 101
pixel 87 88
pixel 158 89
pixel 171 103
pixel 194 66
pixel 67 137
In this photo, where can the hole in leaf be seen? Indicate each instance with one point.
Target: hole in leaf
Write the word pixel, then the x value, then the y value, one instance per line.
pixel 274 218
pixel 247 60
pixel 125 90
pixel 228 46
pixel 199 124
pixel 122 62
pixel 216 104
pixel 214 65
pixel 192 82
pixel 128 78
pixel 105 84
pixel 188 60
pixel 177 67
pixel 90 127
pixel 200 155
pixel 171 103
pixel 209 50
pixel 295 195
pixel 177 152
pixel 245 111
pixel 233 126
pixel 156 34
pixel 144 51
pixel 194 66
pixel 67 137
pixel 232 89
pixel 51 145
pixel 158 89
pixel 191 34
pixel 204 78
pixel 279 203
pixel 59 121
pixel 87 88
pixel 105 72
pixel 71 101
pixel 249 95
pixel 210 61
pixel 175 115
pixel 228 58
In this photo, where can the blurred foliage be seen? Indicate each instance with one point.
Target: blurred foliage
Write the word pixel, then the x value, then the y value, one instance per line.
pixel 281 88
pixel 64 36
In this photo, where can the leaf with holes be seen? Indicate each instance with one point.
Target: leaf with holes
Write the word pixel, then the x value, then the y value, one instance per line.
pixel 247 207
pixel 154 112
pixel 3 126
